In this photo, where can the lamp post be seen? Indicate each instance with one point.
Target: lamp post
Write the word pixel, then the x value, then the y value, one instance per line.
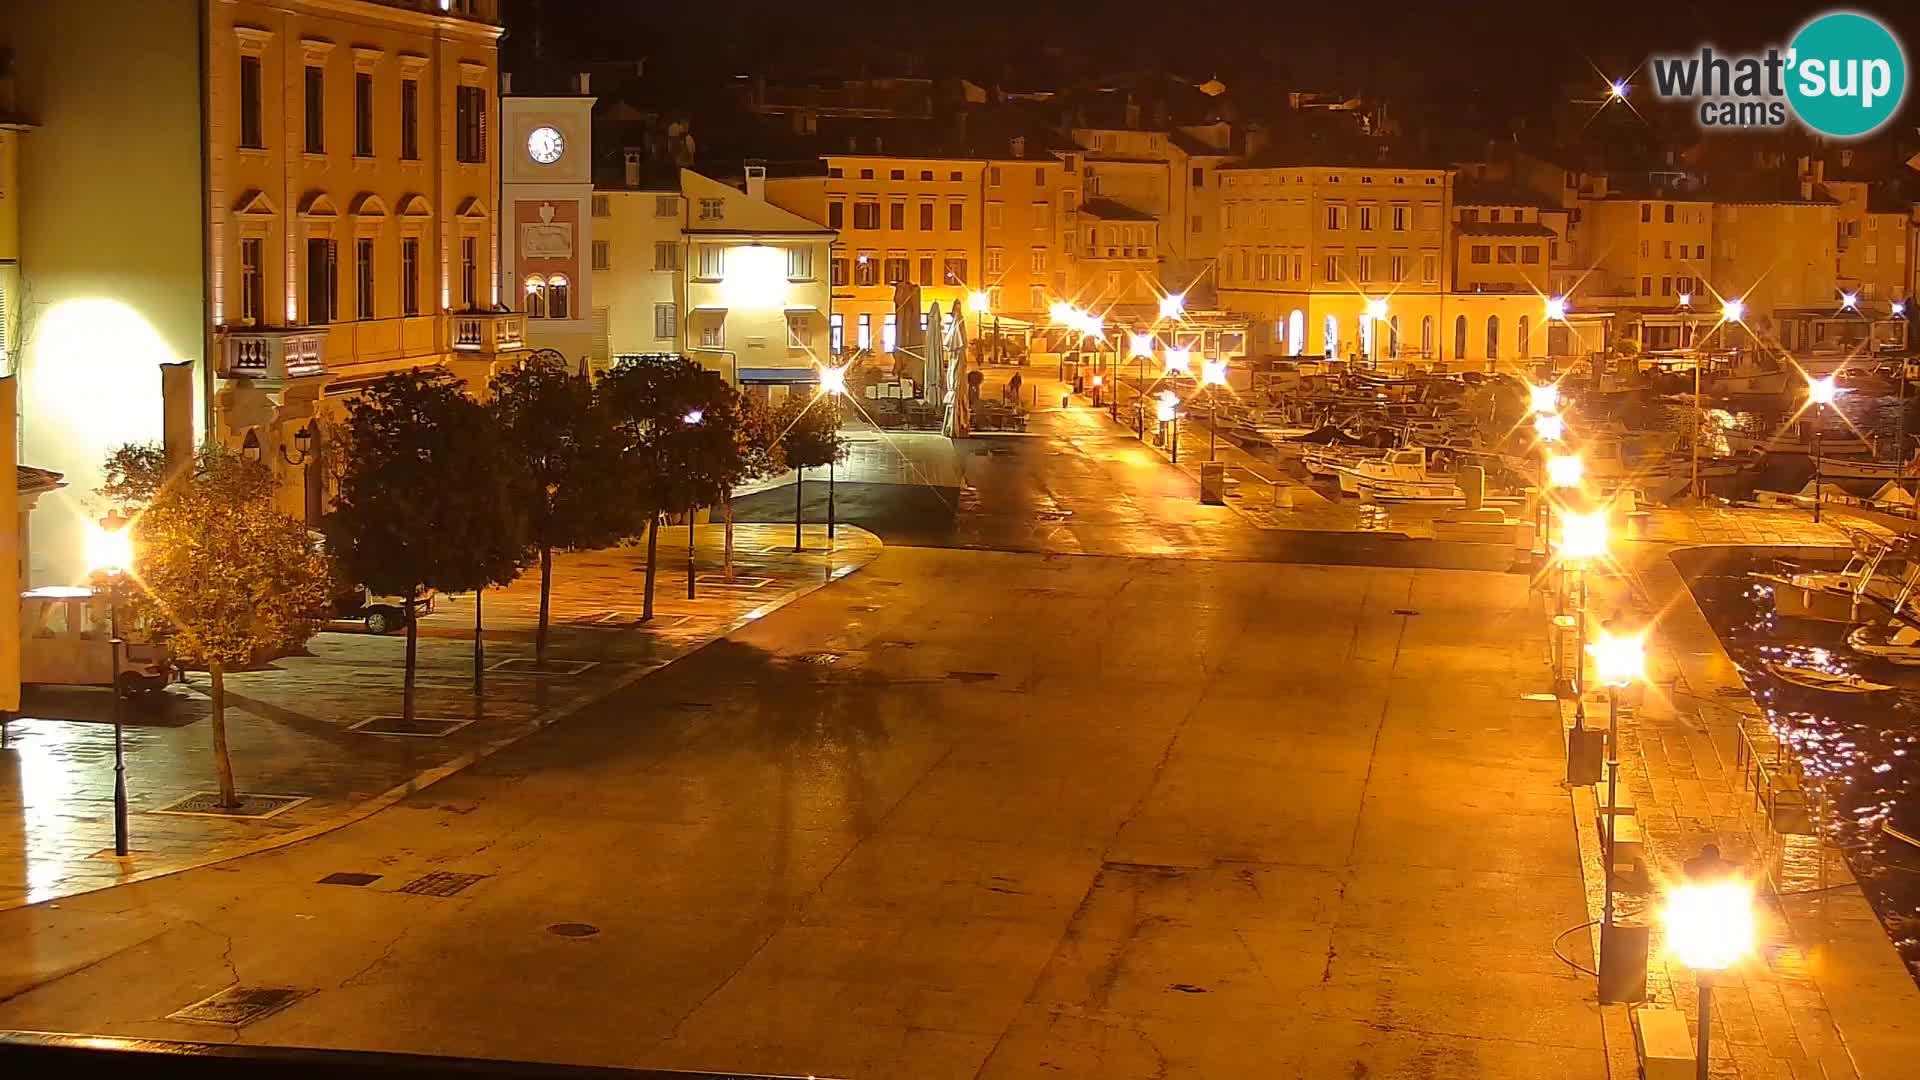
pixel 1213 376
pixel 1709 928
pixel 1376 314
pixel 1141 347
pixel 692 419
pixel 1618 662
pixel 1583 538
pixel 833 383
pixel 110 549
pixel 1169 414
pixel 1821 393
pixel 1548 428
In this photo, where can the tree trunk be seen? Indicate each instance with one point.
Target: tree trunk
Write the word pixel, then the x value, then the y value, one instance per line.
pixel 653 538
pixel 546 605
pixel 413 655
pixel 799 481
pixel 726 513
pixel 222 764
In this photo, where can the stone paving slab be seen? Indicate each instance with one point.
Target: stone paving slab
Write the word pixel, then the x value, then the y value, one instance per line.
pixel 293 727
pixel 1824 993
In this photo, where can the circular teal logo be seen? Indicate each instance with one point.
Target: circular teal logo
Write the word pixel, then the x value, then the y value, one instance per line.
pixel 1846 74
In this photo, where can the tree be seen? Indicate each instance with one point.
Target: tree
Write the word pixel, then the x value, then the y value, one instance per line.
pixel 809 438
pixel 757 455
pixel 676 422
pixel 568 485
pixel 425 499
pixel 225 576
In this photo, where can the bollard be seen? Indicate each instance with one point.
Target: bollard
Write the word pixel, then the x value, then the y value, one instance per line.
pixel 1473 484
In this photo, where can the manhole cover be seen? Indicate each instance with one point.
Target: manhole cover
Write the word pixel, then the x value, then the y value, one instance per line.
pixel 822 658
pixel 573 929
pixel 1404 611
pixel 423 727
pixel 237 1006
pixel 440 883
pixel 207 804
pixel 343 877
pixel 526 665
pixel 973 676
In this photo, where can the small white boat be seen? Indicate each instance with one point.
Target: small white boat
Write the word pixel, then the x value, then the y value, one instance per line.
pixel 1797 438
pixel 1838 595
pixel 1807 678
pixel 1402 477
pixel 1833 468
pixel 1897 643
pixel 1322 460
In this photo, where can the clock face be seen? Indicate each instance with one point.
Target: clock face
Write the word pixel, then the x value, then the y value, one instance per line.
pixel 544 145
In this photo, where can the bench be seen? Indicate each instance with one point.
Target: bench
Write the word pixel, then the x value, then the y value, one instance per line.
pixel 1623 803
pixel 1627 846
pixel 1663 1044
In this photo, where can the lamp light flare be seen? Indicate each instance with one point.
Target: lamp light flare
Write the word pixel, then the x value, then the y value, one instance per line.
pixel 1733 309
pixel 1849 301
pixel 1686 299
pixel 1899 308
pixel 1544 399
pixel 1583 536
pixel 1710 925
pixel 1173 305
pixel 1618 660
pixel 1565 470
pixel 1060 313
pixel 1140 344
pixel 979 302
pixel 1168 406
pixel 1556 307
pixel 1822 391
pixel 695 416
pixel 1213 372
pixel 1617 89
pixel 1550 427
pixel 1179 361
pixel 833 380
pixel 1377 309
pixel 109 549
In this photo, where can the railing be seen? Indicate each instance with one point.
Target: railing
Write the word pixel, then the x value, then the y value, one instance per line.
pixel 273 353
pixel 32 1053
pixel 489 331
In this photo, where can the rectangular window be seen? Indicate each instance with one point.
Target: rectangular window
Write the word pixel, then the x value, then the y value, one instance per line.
pixel 993 176
pixel 926 216
pixel 837 268
pixel 995 262
pixel 252 294
pixel 251 135
pixel 866 215
pixel 1038 262
pixel 665 206
pixel 1666 249
pixel 955 216
pixel 600 255
pixel 1482 254
pixel 799 330
pixel 1700 251
pixel 666 255
pixel 470 124
pixel 799 264
pixel 323 281
pixel 1199 177
pixel 896 269
pixel 1646 212
pixel 1645 248
pixel 864 332
pixel 1036 298
pixel 996 215
pixel 1366 218
pixel 837 333
pixel 926 271
pixel 1429 269
pixel 410 275
pixel 363 114
pixel 469 271
pixel 1669 213
pixel 1399 219
pixel 409 120
pixel 1666 286
pixel 1506 255
pixel 1646 283
pixel 1685 285
pixel 713 334
pixel 1469 216
pixel 1043 216
pixel 866 269
pixel 1397 268
pixel 956 271
pixel 1493 215
pixel 363 278
pixel 836 215
pixel 887 331
pixel 1366 268
pixel 713 209
pixel 316 88
pixel 1530 254
pixel 713 262
pixel 1331 271
pixel 602 206
pixel 1336 217
pixel 666 322
pixel 897 215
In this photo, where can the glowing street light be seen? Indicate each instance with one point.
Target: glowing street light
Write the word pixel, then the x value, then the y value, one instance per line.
pixel 1060 313
pixel 1733 309
pixel 1619 661
pixel 1213 373
pixel 1550 427
pixel 833 383
pixel 1140 345
pixel 1709 928
pixel 1565 470
pixel 1557 308
pixel 1686 299
pixel 833 380
pixel 1899 308
pixel 1849 301
pixel 109 549
pixel 1173 306
pixel 1617 90
pixel 979 303
pixel 1179 361
pixel 109 546
pixel 1583 537
pixel 694 417
pixel 1820 392
pixel 1377 308
pixel 1168 410
pixel 1543 399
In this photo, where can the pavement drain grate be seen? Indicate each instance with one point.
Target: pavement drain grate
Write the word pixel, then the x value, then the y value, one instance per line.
pixel 1404 611
pixel 573 929
pixel 255 807
pixel 440 883
pixel 1052 515
pixel 526 665
pixel 720 581
pixel 973 676
pixel 343 877
pixel 821 658
pixel 238 1006
pixel 420 727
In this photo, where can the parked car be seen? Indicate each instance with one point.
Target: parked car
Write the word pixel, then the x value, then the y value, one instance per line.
pixel 379 614
pixel 65 639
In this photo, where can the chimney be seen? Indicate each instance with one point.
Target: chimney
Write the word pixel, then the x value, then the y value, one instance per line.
pixel 584 83
pixel 633 167
pixel 506 84
pixel 1805 169
pixel 757 183
pixel 1017 146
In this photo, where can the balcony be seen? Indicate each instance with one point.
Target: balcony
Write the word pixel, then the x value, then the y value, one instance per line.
pixel 273 354
pixel 488 331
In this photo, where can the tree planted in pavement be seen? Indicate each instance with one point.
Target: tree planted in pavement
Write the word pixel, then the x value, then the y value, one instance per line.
pixel 426 498
pixel 809 426
pixel 757 454
pixel 225 576
pixel 568 484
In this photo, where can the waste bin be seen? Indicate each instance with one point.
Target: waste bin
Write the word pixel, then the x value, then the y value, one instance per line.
pixel 1213 483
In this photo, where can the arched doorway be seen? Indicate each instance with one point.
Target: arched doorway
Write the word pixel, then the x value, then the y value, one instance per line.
pixel 1426 337
pixel 1460 337
pixel 1493 338
pixel 1330 333
pixel 1393 337
pixel 1297 331
pixel 1521 344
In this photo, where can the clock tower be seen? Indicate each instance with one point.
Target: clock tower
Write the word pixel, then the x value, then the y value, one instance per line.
pixel 546 201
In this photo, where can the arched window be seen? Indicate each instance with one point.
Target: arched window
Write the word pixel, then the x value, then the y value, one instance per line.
pixel 536 297
pixel 1522 347
pixel 557 297
pixel 1330 335
pixel 1459 337
pixel 1297 331
pixel 1363 333
pixel 1426 337
pixel 1393 336
pixel 1493 337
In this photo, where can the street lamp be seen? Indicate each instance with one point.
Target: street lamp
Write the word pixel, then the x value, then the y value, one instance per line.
pixel 1849 301
pixel 1543 399
pixel 1617 661
pixel 1376 314
pixel 1179 361
pixel 1617 90
pixel 1173 306
pixel 1550 427
pixel 833 384
pixel 1820 392
pixel 1709 928
pixel 692 419
pixel 1213 375
pixel 109 549
pixel 1557 308
pixel 1733 309
pixel 1565 470
pixel 1583 539
pixel 1169 414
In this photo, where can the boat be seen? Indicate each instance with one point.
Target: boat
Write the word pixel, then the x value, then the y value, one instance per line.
pixel 1837 595
pixel 1402 477
pixel 1896 643
pixel 1738 375
pixel 1826 682
pixel 1833 468
pixel 1797 438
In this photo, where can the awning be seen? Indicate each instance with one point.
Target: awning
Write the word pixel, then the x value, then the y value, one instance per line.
pixel 779 375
